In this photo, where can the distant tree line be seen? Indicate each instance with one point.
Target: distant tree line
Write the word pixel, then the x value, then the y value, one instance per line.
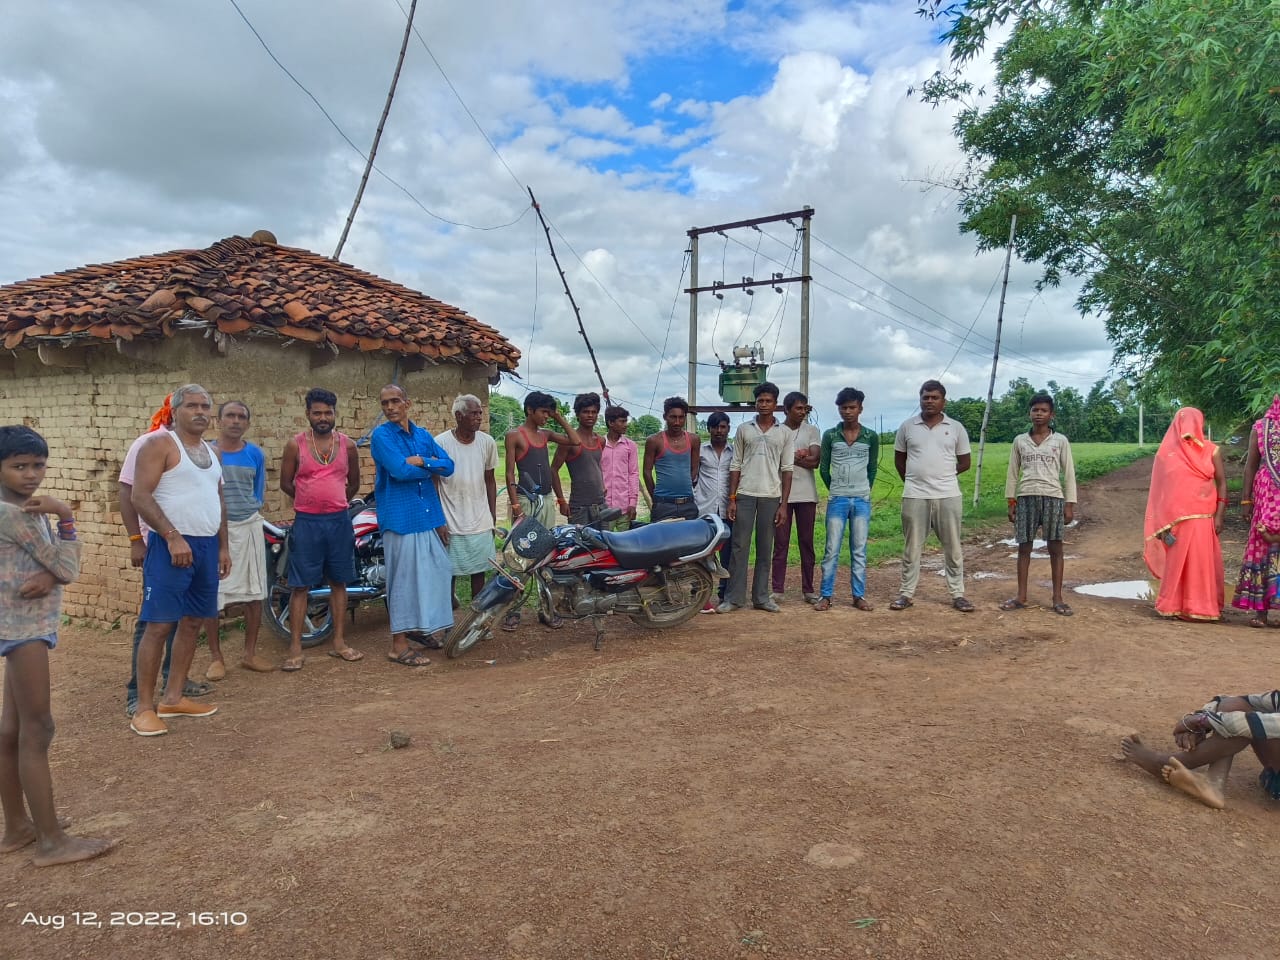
pixel 1107 414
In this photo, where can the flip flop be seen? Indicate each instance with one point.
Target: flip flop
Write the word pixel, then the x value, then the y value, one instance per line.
pixel 901 603
pixel 1258 623
pixel 292 664
pixel 1062 610
pixel 409 658
pixel 196 688
pixel 349 654
pixel 511 622
pixel 428 640
pixel 1013 604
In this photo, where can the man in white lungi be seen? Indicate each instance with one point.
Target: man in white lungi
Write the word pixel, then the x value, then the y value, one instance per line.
pixel 244 486
pixel 408 461
pixel 470 496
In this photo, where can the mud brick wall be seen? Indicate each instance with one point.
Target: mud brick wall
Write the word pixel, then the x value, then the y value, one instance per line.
pixel 91 410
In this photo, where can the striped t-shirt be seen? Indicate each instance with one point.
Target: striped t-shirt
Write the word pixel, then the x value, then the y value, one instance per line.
pixel 244 481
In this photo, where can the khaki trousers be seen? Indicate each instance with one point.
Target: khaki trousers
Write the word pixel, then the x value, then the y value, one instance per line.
pixel 943 518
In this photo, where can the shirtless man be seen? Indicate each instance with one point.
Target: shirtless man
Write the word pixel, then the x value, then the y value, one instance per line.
pixel 1211 737
pixel 529 470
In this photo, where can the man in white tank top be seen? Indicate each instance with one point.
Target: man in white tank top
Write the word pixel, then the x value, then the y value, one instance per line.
pixel 177 490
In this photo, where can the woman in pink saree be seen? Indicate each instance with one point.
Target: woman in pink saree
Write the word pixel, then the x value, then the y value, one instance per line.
pixel 1260 504
pixel 1185 509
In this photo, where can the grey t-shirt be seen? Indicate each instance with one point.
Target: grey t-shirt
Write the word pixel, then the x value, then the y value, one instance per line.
pixel 932 453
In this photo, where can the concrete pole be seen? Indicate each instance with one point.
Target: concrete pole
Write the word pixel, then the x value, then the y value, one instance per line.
pixel 804 304
pixel 693 322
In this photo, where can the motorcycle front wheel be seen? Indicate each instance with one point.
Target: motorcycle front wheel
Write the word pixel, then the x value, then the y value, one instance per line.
pixel 472 627
pixel 317 625
pixel 691 585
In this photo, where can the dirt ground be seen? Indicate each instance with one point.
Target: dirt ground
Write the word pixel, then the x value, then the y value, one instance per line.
pixel 899 785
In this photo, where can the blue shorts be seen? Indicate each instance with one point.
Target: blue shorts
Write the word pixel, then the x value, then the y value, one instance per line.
pixel 8 646
pixel 322 549
pixel 170 593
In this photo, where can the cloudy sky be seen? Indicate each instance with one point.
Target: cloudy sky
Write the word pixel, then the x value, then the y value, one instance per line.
pixel 146 125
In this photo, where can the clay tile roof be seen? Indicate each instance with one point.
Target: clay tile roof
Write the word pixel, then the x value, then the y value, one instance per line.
pixel 246 286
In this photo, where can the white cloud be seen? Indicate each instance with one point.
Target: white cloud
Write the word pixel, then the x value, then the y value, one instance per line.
pixel 145 126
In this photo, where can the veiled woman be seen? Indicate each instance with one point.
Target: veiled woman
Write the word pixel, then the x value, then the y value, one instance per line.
pixel 1185 509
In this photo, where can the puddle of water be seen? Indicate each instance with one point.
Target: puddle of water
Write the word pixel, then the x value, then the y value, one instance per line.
pixel 990 575
pixel 1035 544
pixel 1119 589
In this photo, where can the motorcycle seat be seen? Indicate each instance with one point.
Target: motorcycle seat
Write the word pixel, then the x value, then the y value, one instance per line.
pixel 658 543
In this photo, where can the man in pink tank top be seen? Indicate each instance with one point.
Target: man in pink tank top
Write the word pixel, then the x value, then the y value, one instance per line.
pixel 320 469
pixel 177 491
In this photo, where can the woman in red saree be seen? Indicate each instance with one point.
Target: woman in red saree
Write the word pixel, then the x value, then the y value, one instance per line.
pixel 1185 508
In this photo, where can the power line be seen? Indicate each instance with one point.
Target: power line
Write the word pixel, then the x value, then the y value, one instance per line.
pixel 342 133
pixel 1028 362
pixel 466 109
pixel 688 255
pixel 985 301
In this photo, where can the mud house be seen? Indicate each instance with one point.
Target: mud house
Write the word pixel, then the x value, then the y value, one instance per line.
pixel 89 354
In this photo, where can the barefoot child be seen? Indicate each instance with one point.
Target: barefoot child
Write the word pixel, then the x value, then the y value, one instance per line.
pixel 1041 490
pixel 33 566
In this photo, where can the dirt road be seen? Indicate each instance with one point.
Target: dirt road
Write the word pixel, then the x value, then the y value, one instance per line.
pixel 898 785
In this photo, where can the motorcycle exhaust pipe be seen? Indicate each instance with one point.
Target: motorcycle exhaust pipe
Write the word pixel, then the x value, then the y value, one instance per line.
pixel 353 593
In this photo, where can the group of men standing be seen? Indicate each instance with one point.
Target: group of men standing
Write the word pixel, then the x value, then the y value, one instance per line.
pixel 193 512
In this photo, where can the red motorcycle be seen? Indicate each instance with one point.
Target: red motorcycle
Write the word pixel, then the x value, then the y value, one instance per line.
pixel 660 575
pixel 370 582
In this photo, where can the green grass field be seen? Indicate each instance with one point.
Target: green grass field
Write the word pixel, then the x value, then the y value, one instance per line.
pixel 885 542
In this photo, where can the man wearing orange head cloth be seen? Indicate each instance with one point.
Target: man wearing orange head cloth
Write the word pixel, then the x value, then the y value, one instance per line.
pixel 137 530
pixel 1185 508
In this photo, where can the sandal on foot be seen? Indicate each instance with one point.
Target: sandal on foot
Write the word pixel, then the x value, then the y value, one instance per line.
pixel 554 622
pixel 860 603
pixel 196 688
pixel 292 664
pixel 429 640
pixel 1257 622
pixel 349 654
pixel 1062 609
pixel 901 603
pixel 963 605
pixel 822 603
pixel 511 622
pixel 1013 604
pixel 409 658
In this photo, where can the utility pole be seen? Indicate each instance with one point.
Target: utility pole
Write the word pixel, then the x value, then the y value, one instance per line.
pixel 693 322
pixel 804 303
pixel 748 284
pixel 382 121
pixel 995 359
pixel 1139 423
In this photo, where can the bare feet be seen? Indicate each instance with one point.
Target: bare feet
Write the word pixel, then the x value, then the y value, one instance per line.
pixel 1138 753
pixel 71 850
pixel 1192 784
pixel 26 834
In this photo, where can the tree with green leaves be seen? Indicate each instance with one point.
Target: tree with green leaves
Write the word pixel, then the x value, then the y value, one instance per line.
pixel 1139 145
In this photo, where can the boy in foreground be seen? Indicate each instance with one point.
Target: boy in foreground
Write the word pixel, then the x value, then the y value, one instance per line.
pixel 1041 490
pixel 848 463
pixel 34 564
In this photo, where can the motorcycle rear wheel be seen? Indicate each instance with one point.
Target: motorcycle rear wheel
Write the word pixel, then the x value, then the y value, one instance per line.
pixel 693 586
pixel 317 627
pixel 470 629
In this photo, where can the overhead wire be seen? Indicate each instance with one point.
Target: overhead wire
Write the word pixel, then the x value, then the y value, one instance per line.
pixel 1025 361
pixel 985 300
pixel 724 252
pixel 751 299
pixel 351 143
pixel 533 324
pixel 466 109
pixel 688 256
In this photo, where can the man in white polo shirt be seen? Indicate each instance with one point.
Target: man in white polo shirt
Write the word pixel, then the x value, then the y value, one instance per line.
pixel 930 452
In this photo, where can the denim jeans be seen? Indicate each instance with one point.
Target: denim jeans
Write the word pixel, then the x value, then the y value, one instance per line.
pixel 854 513
pixel 131 691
